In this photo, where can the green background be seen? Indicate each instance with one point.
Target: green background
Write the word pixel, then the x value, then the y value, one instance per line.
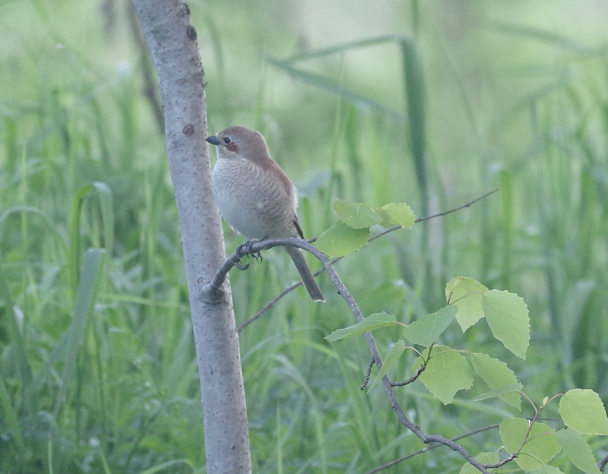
pixel 430 103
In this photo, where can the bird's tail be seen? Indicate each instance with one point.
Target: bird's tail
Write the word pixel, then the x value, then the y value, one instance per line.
pixel 307 278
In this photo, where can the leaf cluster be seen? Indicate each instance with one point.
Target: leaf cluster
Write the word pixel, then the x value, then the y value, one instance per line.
pixel 445 371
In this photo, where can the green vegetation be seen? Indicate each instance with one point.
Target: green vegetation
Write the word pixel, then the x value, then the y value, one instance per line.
pixel 429 103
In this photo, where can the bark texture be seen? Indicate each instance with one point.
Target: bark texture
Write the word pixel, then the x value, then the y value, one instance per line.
pixel 171 39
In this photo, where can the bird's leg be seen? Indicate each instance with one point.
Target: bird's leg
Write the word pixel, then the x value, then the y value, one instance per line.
pixel 245 249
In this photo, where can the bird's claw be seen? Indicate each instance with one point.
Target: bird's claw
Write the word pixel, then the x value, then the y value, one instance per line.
pixel 245 249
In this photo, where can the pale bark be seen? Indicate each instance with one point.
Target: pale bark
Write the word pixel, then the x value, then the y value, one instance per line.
pixel 171 39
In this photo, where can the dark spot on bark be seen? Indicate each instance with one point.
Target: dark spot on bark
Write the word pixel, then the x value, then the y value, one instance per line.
pixel 188 129
pixel 187 9
pixel 191 32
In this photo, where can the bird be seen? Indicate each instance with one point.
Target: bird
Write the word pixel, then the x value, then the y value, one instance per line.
pixel 255 196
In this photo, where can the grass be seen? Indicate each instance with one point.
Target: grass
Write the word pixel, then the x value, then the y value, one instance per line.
pixel 97 367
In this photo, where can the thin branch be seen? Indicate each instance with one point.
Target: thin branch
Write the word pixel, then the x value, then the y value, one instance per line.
pixel 368 375
pixel 289 289
pixel 211 291
pixel 466 435
pixel 270 304
pixel 429 448
pixel 465 205
pixel 433 216
pixel 413 378
pixel 526 438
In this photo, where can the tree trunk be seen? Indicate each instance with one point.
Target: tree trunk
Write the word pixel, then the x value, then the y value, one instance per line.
pixel 171 39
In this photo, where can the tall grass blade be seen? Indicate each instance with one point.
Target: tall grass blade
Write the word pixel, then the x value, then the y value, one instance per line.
pixel 344 47
pixel 107 214
pixel 335 88
pixel 11 418
pixel 85 299
pixel 414 91
pixel 536 34
pixel 18 350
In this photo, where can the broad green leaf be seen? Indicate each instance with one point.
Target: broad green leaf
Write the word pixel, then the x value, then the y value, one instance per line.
pixel 466 294
pixel 447 372
pixel 577 449
pixel 374 321
pixel 484 458
pixel 540 443
pixel 400 214
pixel 340 239
pixel 497 375
pixel 583 411
pixel 508 318
pixel 356 214
pixel 391 359
pixel 427 329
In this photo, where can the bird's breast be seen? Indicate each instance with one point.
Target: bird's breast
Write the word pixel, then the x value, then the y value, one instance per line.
pixel 253 200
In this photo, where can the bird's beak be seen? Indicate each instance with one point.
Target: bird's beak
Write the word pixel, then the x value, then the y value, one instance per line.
pixel 213 140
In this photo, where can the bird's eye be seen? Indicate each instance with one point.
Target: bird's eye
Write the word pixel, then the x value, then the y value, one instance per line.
pixel 226 140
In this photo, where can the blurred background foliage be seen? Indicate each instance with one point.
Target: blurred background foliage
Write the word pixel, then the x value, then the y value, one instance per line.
pixel 431 103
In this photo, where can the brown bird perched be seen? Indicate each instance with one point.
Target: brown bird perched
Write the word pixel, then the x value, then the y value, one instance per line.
pixel 255 196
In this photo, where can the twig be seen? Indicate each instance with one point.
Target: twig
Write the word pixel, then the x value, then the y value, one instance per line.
pixel 413 378
pixel 465 205
pixel 289 289
pixel 269 305
pixel 368 375
pixel 429 448
pixel 212 291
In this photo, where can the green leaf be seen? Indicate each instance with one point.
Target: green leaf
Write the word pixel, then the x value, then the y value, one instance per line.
pixel 398 213
pixel 484 458
pixel 427 329
pixel 374 321
pixel 583 411
pixel 391 359
pixel 497 376
pixel 341 239
pixel 356 214
pixel 540 443
pixel 508 318
pixel 577 449
pixel 447 372
pixel 466 294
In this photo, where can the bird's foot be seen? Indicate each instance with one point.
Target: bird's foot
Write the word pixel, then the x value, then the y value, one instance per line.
pixel 244 250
